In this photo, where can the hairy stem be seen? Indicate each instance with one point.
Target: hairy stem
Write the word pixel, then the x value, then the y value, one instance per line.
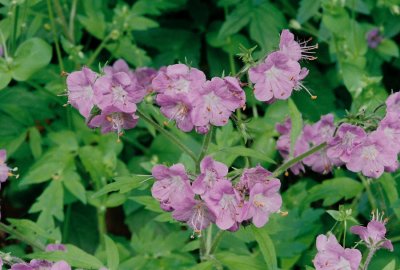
pixel 53 30
pixel 167 134
pixel 281 169
pixel 209 240
pixel 20 236
pixel 206 143
pixel 98 50
pixel 216 241
pixel 369 258
pixel 101 224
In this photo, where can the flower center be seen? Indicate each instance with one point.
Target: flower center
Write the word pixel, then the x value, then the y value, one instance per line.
pixel 370 153
pixel 182 85
pixel 87 92
pixel 119 94
pixel 258 201
pixel 348 139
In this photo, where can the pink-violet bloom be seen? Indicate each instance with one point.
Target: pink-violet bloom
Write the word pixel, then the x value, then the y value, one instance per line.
pixel 80 90
pixel 374 38
pixel 195 213
pixel 41 265
pixel 346 139
pixel 253 176
pixel 318 133
pixel 4 169
pixel 177 107
pixel 295 50
pixel 372 156
pixel 112 119
pixel 393 103
pixel 144 77
pixel 263 201
pixel 119 66
pixel 332 256
pixel 216 100
pixel 390 126
pixel 212 171
pixel 172 186
pixel 202 129
pixel 178 79
pixel 224 201
pixel 55 247
pixel 275 78
pixel 118 90
pixel 374 234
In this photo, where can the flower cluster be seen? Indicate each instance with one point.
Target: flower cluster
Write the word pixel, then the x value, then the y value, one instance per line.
pixel 109 100
pixel 184 95
pixel 39 264
pixel 280 73
pixel 370 153
pixel 5 171
pixel 331 255
pixel 213 198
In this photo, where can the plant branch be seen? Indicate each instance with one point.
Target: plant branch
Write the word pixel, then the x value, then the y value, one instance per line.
pixel 20 236
pixel 281 169
pixel 167 134
pixel 53 30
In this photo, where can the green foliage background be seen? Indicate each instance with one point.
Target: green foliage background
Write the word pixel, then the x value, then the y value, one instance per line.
pixel 77 184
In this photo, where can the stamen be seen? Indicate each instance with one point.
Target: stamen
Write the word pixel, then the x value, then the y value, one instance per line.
pixel 313 97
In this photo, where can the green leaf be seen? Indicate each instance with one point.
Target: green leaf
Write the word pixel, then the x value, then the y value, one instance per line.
pixel 266 246
pixel 297 125
pixel 307 9
pixel 142 23
pixel 51 201
pixel 49 165
pixel 5 74
pixel 391 265
pixel 127 50
pixel 112 253
pixel 94 21
pixel 31 56
pixel 333 190
pixel 31 230
pixel 389 186
pixel 266 23
pixel 35 142
pixel 247 152
pixel 74 256
pixel 334 214
pixel 353 78
pixel 236 20
pixel 388 48
pixel 115 199
pixel 72 182
pixel 149 202
pixel 122 184
pixel 239 262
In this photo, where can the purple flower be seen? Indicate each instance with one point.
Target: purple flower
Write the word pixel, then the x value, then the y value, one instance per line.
pixel 41 265
pixel 112 119
pixel 119 66
pixel 216 100
pixel 178 79
pixel 374 38
pixel 295 50
pixel 177 107
pixel 211 172
pixel 320 132
pixel 55 247
pixel 346 139
pixel 276 77
pixel 224 201
pixel 195 213
pixel 172 186
pixel 118 90
pixel 203 129
pixel 372 156
pixel 374 234
pixel 253 176
pixel 331 255
pixel 80 90
pixel 264 200
pixel 4 169
pixel 390 126
pixel 393 103
pixel 145 76
pixel 283 145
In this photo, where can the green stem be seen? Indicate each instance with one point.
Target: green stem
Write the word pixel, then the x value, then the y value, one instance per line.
pixel 15 27
pixel 371 197
pixel 344 233
pixel 63 21
pixel 167 134
pixel 72 20
pixel 21 236
pixel 281 169
pixel 101 223
pixel 206 143
pixel 209 240
pixel 216 241
pixel 395 239
pixel 53 30
pixel 98 50
pixel 369 258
